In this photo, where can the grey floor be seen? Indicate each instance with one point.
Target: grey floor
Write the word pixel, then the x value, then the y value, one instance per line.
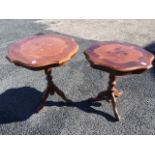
pixel 21 89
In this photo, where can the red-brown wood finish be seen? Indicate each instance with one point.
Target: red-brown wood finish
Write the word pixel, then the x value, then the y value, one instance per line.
pixel 44 52
pixel 41 51
pixel 51 89
pixel 118 59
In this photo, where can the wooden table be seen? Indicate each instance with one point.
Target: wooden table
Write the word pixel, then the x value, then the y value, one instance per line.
pixel 42 53
pixel 117 59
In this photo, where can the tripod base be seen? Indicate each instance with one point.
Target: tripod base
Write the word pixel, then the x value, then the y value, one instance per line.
pixel 109 95
pixel 51 89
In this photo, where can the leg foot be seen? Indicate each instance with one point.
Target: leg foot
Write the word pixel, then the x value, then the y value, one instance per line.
pixel 114 106
pixel 43 99
pixel 113 94
pixel 48 90
pixel 51 89
pixel 110 95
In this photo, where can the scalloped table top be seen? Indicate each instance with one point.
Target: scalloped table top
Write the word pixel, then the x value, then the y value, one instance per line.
pixel 119 58
pixel 42 51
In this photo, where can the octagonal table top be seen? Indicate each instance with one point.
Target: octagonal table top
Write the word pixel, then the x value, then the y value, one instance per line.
pixel 118 57
pixel 41 51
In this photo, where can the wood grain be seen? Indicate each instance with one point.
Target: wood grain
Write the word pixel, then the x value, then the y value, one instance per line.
pixel 40 51
pixel 119 58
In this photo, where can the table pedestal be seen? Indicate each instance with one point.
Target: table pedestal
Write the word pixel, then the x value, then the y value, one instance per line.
pixel 110 95
pixel 51 89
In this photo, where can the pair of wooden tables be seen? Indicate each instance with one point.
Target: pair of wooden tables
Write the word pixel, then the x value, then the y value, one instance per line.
pixel 47 51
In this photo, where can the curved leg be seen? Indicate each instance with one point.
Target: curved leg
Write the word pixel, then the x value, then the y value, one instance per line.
pixel 114 106
pixel 48 90
pixel 99 97
pixel 110 95
pixel 60 93
pixel 112 91
pixel 51 89
pixel 43 99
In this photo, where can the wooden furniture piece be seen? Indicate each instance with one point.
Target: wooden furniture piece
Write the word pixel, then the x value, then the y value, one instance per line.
pixel 42 53
pixel 117 59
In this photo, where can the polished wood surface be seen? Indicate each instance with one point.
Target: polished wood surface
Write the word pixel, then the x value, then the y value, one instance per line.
pixel 110 95
pixel 44 52
pixel 51 89
pixel 41 51
pixel 119 58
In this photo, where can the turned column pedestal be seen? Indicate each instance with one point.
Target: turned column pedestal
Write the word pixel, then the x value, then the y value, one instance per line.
pixel 117 59
pixel 51 89
pixel 109 95
pixel 43 53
